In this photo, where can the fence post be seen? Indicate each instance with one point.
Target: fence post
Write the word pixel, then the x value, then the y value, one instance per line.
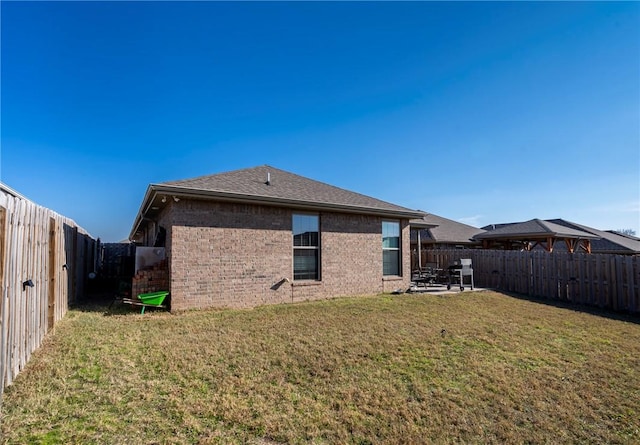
pixel 74 266
pixel 3 301
pixel 51 300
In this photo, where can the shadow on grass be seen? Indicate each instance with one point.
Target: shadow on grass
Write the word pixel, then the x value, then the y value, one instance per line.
pixel 576 307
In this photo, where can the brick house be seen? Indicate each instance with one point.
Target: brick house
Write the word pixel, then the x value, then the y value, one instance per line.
pixel 263 236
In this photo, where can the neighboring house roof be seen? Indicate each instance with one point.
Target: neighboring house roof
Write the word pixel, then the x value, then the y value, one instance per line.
pixel 269 186
pixel 444 231
pixel 534 228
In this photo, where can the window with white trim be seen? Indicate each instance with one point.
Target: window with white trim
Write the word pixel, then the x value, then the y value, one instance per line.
pixel 390 248
pixel 306 247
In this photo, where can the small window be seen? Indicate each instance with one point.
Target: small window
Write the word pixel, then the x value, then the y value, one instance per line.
pixel 390 248
pixel 306 247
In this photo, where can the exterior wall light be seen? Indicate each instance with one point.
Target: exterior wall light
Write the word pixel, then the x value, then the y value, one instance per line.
pixel 28 283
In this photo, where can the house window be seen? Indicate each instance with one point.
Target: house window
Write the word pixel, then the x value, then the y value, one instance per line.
pixel 390 248
pixel 306 247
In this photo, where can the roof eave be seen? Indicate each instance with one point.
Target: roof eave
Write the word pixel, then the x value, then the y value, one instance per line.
pixel 421 225
pixel 186 192
pixel 144 207
pixel 449 241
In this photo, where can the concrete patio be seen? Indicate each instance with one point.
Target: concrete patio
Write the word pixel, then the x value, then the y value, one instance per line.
pixel 441 289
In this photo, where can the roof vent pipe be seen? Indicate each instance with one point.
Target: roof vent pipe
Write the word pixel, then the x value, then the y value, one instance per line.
pixel 268 178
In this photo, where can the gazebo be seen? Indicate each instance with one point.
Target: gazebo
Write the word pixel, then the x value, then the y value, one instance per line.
pixel 530 234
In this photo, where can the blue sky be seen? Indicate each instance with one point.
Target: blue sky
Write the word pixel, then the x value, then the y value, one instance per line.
pixel 478 112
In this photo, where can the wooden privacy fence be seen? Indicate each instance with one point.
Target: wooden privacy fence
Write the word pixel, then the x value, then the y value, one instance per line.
pixel 604 280
pixel 45 260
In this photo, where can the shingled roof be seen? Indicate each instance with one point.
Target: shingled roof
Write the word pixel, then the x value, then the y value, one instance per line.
pixel 444 230
pixel 609 242
pixel 270 186
pixel 534 228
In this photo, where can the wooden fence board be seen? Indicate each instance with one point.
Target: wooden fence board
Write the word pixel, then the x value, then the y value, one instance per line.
pixel 581 280
pixel 631 284
pixel 620 285
pixel 20 302
pixel 612 284
pixel 51 275
pixel 601 291
pixel 4 309
pixel 33 246
pixel 606 281
pixel 545 277
pixel 542 275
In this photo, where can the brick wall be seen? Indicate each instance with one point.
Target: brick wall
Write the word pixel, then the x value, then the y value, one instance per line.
pixel 151 279
pixel 234 255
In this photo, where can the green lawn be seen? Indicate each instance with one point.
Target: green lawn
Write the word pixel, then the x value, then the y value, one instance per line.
pixel 477 367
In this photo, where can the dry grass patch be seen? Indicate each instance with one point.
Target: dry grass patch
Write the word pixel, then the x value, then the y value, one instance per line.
pixel 359 370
